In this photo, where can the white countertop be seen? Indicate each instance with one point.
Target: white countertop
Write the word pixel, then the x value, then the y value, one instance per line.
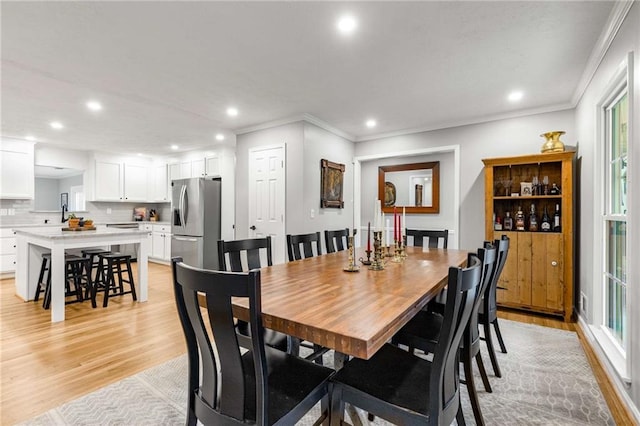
pixel 60 225
pixel 57 233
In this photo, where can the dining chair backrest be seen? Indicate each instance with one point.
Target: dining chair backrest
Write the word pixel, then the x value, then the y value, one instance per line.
pixel 462 286
pixel 336 240
pixel 251 248
pixel 222 403
pixel 294 242
pixel 487 256
pixel 489 302
pixel 433 237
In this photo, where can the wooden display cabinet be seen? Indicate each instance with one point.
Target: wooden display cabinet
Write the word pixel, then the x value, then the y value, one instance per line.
pixel 539 272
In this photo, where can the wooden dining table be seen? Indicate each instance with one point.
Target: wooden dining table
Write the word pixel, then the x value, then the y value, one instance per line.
pixel 354 313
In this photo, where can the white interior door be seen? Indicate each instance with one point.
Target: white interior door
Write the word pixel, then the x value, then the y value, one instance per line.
pixel 267 197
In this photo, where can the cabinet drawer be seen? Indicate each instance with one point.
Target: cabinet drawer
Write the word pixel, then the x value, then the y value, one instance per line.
pixel 7 262
pixel 7 246
pixel 7 232
pixel 162 228
pixel 146 227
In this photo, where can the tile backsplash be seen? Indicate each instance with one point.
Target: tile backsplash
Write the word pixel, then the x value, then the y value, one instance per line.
pixel 100 212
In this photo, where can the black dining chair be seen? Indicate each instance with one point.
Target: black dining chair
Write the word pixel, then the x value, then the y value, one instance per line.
pixel 403 388
pixel 488 313
pixel 336 240
pixel 435 239
pixel 294 245
pixel 228 385
pixel 244 255
pixel 423 332
pixel 300 246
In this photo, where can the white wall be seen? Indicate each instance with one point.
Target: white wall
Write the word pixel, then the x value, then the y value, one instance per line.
pixel 627 39
pixel 290 134
pixel 322 144
pixel 516 136
pixel 443 220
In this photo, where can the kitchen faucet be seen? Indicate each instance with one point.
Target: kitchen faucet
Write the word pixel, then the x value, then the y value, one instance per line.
pixel 64 208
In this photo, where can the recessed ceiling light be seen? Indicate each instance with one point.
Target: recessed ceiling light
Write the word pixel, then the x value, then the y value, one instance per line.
pixel 174 147
pixel 347 24
pixel 219 137
pixel 30 138
pixel 139 154
pixel 94 106
pixel 56 125
pixel 515 96
pixel 232 112
pixel 371 123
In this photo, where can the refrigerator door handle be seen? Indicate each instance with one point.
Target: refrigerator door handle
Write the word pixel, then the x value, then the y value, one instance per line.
pixel 184 239
pixel 183 191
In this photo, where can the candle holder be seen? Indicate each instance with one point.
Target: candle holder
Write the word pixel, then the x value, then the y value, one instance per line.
pixel 352 267
pixel 368 261
pixel 397 254
pixel 403 251
pixel 378 263
pixel 388 254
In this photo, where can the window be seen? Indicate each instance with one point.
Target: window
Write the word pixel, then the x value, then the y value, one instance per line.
pixel 614 277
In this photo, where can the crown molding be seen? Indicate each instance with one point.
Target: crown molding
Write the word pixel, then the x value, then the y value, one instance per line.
pixel 478 120
pixel 616 18
pixel 293 119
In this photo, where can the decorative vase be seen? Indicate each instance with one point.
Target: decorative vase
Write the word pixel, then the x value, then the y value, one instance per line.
pixel 553 143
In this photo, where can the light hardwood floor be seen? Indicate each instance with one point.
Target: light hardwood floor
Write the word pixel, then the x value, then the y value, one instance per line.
pixel 44 365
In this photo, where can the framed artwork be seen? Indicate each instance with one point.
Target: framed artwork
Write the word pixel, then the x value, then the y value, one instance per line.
pixel 332 182
pixel 64 200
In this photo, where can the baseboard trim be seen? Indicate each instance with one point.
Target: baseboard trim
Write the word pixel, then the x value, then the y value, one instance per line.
pixel 620 404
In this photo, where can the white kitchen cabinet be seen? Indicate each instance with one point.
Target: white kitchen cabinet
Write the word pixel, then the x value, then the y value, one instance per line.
pixel 197 168
pixel 212 166
pixel 159 183
pixel 17 169
pixel 7 250
pixel 136 182
pixel 161 242
pixel 121 181
pixel 108 180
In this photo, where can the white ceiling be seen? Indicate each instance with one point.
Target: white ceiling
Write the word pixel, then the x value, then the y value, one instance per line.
pixel 165 72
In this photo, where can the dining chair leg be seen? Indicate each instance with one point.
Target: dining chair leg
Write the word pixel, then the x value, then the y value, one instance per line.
pixel 337 406
pixel 492 353
pixel 460 417
pixel 503 348
pixel 483 373
pixel 471 387
pixel 325 409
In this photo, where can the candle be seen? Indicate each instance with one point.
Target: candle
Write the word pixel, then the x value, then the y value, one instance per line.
pixel 387 237
pixel 395 223
pixel 369 236
pixel 404 223
pixel 383 236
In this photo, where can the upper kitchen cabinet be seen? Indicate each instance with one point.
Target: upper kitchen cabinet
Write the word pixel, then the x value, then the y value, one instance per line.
pixel 16 169
pixel 121 181
pixel 159 185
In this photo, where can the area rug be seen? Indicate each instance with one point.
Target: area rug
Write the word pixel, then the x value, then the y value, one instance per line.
pixel 546 381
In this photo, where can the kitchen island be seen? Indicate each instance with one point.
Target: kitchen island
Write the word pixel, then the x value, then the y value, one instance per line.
pixel 32 243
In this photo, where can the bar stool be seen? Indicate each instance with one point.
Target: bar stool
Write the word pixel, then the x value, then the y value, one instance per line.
pixel 93 255
pixel 114 265
pixel 76 273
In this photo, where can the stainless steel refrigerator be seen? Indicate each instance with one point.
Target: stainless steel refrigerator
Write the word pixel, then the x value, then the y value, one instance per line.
pixel 195 222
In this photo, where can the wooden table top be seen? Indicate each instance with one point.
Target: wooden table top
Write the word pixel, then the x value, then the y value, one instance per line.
pixel 354 313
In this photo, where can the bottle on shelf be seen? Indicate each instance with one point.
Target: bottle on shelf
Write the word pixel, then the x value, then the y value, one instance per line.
pixel 545 223
pixel 555 190
pixel 557 227
pixel 533 220
pixel 497 223
pixel 508 222
pixel 520 223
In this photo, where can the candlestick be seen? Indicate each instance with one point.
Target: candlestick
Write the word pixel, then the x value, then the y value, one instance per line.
pixel 369 236
pixel 395 224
